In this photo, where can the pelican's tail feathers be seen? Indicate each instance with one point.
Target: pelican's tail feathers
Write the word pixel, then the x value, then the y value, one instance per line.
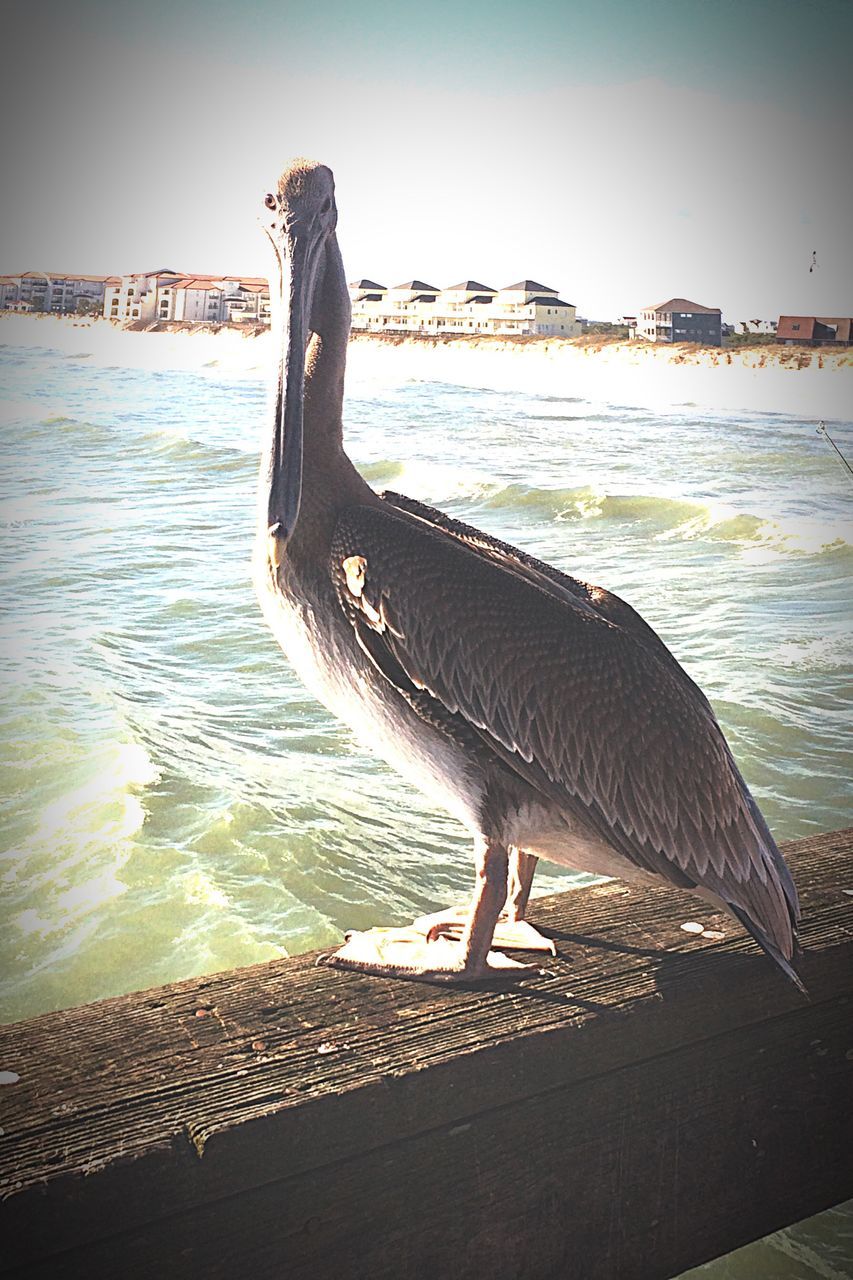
pixel 768 945
pixel 780 867
pixel 772 856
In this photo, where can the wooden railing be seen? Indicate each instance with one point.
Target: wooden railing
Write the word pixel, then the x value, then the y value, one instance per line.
pixel 656 1098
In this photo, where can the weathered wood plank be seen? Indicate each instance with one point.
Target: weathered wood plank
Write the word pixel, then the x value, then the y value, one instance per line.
pixel 323 1104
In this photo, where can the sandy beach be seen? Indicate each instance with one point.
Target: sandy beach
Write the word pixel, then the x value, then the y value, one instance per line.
pixel 794 380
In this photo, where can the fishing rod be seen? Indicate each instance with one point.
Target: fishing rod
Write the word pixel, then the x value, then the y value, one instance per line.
pixel 822 431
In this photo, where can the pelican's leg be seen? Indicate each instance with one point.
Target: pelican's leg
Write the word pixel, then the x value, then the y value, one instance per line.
pixel 521 868
pixel 512 932
pixel 407 953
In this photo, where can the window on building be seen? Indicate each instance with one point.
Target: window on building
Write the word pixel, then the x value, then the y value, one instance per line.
pixel 130 293
pixel 795 327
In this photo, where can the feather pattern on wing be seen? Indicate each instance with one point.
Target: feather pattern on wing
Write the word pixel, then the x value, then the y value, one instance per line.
pixel 571 690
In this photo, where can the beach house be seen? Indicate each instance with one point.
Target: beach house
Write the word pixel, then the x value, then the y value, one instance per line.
pixel 679 320
pixel 815 331
pixel 530 308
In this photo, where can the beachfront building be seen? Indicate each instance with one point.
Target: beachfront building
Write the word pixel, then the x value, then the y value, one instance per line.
pixel 50 292
pixel 246 301
pixel 161 296
pixel 214 300
pixel 465 308
pixel 815 331
pixel 135 298
pixel 10 287
pixel 37 290
pixel 679 320
pixel 528 308
pixel 194 299
pixel 84 293
pixel 470 307
pixel 409 307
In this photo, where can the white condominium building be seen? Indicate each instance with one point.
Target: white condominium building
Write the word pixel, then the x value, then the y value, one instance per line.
pixel 521 309
pixel 170 295
pixel 134 298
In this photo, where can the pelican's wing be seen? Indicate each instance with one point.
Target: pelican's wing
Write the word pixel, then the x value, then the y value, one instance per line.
pixel 585 708
pixel 615 610
pixel 546 576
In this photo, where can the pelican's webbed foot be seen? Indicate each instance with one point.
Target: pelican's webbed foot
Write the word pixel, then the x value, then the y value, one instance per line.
pixel 406 953
pixel 510 934
pixel 425 950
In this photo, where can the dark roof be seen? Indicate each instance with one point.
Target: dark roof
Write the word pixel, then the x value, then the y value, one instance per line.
pixel 424 297
pixel 529 286
pixel 366 284
pixel 684 304
pixel 470 286
pixel 551 302
pixel 143 275
pixel 419 286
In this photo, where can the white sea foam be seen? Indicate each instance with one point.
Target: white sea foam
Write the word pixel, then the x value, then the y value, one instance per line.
pixel 71 861
pixel 761 539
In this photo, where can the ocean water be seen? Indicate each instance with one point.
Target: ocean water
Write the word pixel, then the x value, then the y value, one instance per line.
pixel 174 802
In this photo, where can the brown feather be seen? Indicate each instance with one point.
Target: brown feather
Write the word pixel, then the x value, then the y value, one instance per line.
pixel 570 688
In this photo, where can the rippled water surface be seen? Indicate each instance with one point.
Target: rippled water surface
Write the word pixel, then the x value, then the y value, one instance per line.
pixel 174 802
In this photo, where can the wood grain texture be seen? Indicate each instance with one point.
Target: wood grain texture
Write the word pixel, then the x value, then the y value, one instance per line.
pixel 652 1100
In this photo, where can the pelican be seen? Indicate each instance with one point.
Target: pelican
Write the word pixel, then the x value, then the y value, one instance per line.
pixel 542 712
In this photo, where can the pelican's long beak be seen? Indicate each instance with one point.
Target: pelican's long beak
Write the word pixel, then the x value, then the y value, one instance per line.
pixel 298 256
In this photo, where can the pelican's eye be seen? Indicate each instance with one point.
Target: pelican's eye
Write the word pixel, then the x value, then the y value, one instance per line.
pixel 270 200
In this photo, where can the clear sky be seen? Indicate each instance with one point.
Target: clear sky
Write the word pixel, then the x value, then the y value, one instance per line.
pixel 621 151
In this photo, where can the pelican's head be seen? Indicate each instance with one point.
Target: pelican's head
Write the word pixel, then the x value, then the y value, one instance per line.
pixel 299 216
